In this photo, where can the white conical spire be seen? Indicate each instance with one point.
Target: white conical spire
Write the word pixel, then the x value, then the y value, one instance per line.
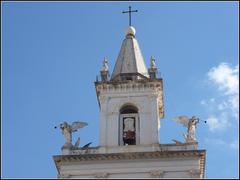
pixel 130 59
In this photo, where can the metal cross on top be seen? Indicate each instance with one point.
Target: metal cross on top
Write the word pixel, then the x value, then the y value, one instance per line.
pixel 130 11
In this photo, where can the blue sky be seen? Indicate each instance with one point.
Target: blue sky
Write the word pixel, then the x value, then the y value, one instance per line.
pixel 52 52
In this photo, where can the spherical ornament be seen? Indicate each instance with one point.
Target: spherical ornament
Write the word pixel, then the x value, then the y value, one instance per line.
pixel 131 31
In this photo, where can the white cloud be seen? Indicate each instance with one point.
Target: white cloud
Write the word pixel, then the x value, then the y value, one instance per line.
pixel 203 102
pixel 222 106
pixel 234 104
pixel 223 109
pixel 214 141
pixel 234 145
pixel 225 77
pixel 218 123
pixel 227 81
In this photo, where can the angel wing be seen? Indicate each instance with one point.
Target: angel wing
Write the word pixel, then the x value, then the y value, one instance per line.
pixel 76 125
pixel 86 146
pixel 77 142
pixel 182 119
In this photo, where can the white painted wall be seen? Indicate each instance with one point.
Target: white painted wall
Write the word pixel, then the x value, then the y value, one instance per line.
pixel 147 103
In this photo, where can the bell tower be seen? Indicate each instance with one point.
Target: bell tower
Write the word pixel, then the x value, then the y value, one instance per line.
pixel 131 101
pixel 131 108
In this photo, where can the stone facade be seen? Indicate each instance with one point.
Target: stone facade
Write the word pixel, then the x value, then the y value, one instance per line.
pixel 154 164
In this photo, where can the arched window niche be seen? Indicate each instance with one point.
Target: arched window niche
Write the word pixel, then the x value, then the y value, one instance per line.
pixel 128 125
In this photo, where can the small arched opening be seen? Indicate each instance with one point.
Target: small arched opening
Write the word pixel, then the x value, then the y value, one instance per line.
pixel 129 125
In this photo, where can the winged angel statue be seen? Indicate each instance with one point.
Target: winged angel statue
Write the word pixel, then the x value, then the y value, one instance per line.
pixel 68 129
pixel 190 124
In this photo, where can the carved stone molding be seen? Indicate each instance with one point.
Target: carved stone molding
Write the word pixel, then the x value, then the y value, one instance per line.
pixel 195 173
pixel 157 174
pixel 130 86
pixel 101 175
pixel 102 99
pixel 133 155
pixel 153 97
pixel 63 176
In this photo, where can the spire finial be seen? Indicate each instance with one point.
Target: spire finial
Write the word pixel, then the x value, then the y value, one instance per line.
pixel 129 12
pixel 130 31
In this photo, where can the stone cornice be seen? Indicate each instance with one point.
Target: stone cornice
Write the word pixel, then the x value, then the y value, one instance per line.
pixel 60 159
pixel 138 85
pixel 129 81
